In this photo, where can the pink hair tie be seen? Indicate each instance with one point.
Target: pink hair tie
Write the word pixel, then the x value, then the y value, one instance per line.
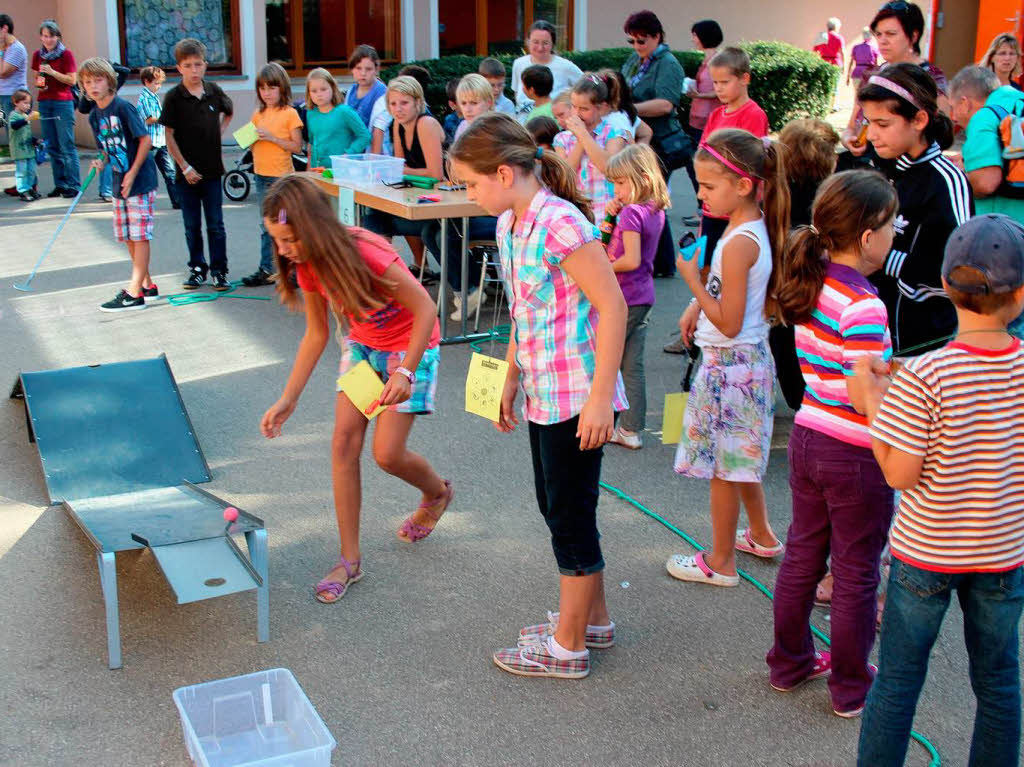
pixel 899 90
pixel 735 169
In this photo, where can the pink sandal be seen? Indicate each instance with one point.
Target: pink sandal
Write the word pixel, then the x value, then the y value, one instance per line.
pixel 746 544
pixel 336 588
pixel 410 532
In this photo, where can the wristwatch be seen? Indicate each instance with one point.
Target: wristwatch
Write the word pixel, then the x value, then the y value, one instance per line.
pixel 407 373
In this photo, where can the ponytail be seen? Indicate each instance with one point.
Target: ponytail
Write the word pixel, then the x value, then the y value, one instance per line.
pixel 847 205
pixel 776 214
pixel 496 139
pixel 557 175
pixel 804 264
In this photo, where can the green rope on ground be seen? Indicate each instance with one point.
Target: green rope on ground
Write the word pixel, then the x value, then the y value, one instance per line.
pixel 187 299
pixel 936 759
pixel 499 333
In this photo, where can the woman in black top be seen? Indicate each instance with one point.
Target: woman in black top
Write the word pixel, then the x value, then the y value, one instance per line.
pixel 655 78
pixel 422 157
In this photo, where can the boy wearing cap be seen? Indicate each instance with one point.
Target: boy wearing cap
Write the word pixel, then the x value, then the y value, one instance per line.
pixel 949 432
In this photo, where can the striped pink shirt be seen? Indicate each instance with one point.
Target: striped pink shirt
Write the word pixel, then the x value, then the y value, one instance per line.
pixel 554 323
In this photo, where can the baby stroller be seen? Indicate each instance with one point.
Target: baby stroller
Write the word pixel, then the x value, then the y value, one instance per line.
pixel 237 182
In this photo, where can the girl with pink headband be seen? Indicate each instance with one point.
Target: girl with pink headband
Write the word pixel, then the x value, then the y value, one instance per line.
pixel 727 428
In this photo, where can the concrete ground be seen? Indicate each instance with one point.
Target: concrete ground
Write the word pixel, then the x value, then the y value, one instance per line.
pixel 400 671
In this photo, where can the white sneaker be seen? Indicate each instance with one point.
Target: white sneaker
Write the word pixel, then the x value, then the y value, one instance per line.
pixel 472 302
pixel 630 439
pixel 695 569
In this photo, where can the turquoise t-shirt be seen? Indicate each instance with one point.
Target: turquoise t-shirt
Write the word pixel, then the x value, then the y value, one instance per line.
pixel 340 131
pixel 983 149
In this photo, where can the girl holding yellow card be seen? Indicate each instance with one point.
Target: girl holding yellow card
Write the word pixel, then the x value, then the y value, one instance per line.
pixel 386 320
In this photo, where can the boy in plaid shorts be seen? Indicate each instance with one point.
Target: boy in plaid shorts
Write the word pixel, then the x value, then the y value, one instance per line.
pixel 125 143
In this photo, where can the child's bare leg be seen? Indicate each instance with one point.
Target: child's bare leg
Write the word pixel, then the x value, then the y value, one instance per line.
pixel 139 252
pixel 346 445
pixel 752 495
pixel 581 601
pixel 725 513
pixel 392 455
pixel 416 246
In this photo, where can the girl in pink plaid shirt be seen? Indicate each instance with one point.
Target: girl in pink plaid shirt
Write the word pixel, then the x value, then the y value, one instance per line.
pixel 590 138
pixel 558 279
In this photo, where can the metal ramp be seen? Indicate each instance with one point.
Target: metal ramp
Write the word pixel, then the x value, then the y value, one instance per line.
pixel 118 452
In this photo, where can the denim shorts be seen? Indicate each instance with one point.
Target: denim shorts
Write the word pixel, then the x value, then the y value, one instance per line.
pixel 421 401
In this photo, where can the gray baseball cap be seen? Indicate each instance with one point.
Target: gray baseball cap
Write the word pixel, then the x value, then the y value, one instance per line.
pixel 985 255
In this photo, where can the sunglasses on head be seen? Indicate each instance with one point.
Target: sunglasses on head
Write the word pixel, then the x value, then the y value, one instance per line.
pixel 896 5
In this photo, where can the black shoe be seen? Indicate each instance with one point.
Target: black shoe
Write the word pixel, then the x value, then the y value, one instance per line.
pixel 26 197
pixel 176 205
pixel 151 292
pixel 35 194
pixel 57 192
pixel 429 276
pixel 195 280
pixel 258 279
pixel 104 198
pixel 123 302
pixel 220 281
pixel 69 193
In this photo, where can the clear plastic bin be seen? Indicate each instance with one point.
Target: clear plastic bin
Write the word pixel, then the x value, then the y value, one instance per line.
pixel 256 719
pixel 367 169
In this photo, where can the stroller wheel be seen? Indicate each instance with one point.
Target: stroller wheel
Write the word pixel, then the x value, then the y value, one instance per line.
pixel 236 185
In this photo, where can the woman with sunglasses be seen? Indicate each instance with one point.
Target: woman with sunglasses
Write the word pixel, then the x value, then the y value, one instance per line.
pixel 655 78
pixel 898 28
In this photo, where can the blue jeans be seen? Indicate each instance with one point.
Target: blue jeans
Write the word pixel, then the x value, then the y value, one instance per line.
pixel 60 142
pixel 107 181
pixel 914 608
pixel 205 196
pixel 24 174
pixel 266 242
pixel 165 164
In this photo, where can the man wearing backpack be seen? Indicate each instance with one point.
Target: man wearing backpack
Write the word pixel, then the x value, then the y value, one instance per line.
pixel 980 106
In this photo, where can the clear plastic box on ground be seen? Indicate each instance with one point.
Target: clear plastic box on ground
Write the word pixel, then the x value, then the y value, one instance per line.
pixel 367 169
pixel 257 719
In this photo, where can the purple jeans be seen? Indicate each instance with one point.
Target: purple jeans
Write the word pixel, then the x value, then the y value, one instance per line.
pixel 842 505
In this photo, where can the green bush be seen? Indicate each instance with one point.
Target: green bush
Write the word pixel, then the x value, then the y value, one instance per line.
pixel 786 81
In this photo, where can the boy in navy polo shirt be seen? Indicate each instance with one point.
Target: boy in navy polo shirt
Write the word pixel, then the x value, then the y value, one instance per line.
pixel 124 142
pixel 195 114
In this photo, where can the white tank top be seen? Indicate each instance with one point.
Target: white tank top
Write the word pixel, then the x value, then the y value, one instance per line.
pixel 755 324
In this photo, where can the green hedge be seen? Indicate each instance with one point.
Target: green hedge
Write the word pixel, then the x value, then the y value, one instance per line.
pixel 786 81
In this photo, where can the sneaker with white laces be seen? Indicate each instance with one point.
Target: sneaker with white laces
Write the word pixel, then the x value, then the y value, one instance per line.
pixel 537 661
pixel 696 569
pixel 123 302
pixel 630 439
pixel 472 302
pixel 822 667
pixel 596 638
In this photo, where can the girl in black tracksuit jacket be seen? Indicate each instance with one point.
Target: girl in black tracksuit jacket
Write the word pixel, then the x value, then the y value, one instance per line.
pixel 935 198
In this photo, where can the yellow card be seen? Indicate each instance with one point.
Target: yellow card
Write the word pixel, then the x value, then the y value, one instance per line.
pixel 362 386
pixel 484 385
pixel 672 423
pixel 246 136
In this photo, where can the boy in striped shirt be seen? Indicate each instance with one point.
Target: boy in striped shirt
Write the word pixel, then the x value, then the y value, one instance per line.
pixel 949 432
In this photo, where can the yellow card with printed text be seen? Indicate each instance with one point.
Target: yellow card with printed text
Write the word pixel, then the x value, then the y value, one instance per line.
pixel 485 383
pixel 672 422
pixel 246 136
pixel 362 386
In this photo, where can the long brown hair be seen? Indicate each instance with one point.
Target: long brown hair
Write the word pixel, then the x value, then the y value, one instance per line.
pixel 330 249
pixel 761 160
pixel 494 139
pixel 847 205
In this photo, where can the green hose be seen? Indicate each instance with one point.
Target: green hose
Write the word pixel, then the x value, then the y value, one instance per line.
pixel 187 299
pixel 499 333
pixel 936 759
